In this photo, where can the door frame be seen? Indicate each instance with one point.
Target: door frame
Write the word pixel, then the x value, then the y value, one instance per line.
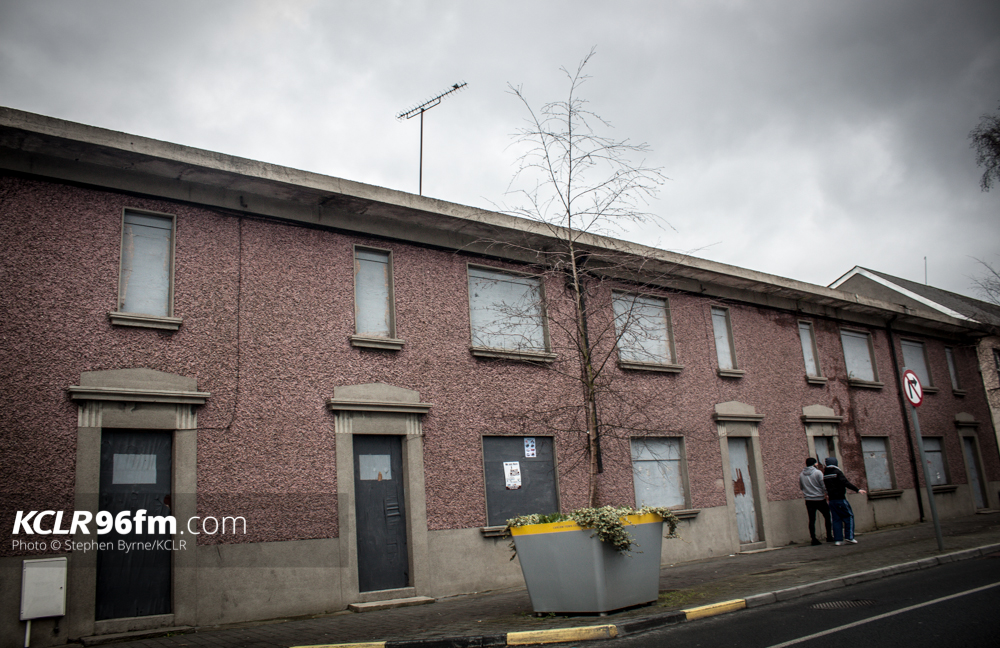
pixel 377 408
pixel 138 399
pixel 968 428
pixel 734 419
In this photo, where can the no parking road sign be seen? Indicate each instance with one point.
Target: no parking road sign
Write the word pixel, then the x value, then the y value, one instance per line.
pixel 912 390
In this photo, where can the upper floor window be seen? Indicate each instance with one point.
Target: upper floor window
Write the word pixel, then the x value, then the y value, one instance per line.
pixel 145 282
pixel 810 355
pixel 724 349
pixel 915 358
pixel 956 385
pixel 374 308
pixel 859 358
pixel 645 338
pixel 507 315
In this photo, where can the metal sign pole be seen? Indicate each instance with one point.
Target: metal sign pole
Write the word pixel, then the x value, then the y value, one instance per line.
pixel 913 391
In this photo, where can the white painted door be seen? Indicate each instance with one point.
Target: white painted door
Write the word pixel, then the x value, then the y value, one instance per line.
pixel 746 513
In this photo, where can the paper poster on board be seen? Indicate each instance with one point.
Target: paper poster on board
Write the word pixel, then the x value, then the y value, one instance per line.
pixel 512 474
pixel 529 447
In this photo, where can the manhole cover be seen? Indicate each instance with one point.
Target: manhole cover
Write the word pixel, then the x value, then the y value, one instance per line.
pixel 841 605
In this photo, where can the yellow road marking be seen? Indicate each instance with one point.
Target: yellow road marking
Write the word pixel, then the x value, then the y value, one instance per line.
pixel 561 635
pixel 715 608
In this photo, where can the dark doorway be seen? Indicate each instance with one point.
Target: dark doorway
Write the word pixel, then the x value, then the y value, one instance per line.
pixel 381 514
pixel 135 474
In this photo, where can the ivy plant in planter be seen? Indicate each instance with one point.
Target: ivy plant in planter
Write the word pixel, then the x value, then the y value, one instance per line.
pixel 591 560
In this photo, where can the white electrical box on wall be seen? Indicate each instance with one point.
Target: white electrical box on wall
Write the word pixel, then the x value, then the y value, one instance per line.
pixel 43 588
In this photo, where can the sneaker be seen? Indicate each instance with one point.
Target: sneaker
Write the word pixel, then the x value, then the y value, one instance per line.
pixel 838 543
pixel 816 542
pixel 853 541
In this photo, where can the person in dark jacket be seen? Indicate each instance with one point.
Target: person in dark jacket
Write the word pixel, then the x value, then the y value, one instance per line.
pixel 840 509
pixel 811 484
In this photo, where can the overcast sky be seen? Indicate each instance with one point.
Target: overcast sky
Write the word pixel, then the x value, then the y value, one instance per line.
pixel 800 138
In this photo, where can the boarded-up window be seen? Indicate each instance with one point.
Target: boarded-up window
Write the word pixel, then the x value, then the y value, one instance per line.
pixel 147 257
pixel 723 338
pixel 809 349
pixel 373 306
pixel 934 454
pixel 643 328
pixel 520 477
pixel 506 311
pixel 657 472
pixel 915 359
pixel 858 356
pixel 877 469
pixel 949 354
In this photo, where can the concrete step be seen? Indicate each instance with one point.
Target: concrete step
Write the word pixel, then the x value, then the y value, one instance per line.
pixel 391 603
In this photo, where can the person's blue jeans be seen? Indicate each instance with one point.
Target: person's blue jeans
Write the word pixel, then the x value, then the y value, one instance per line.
pixel 841 514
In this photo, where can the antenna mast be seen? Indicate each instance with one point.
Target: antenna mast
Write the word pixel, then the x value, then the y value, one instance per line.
pixel 420 110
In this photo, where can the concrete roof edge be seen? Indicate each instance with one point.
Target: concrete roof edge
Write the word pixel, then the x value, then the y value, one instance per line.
pixel 172 160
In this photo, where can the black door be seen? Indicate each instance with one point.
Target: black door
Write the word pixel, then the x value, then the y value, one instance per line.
pixel 135 474
pixel 381 516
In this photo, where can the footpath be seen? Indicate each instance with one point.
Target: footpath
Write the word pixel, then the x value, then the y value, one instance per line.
pixel 687 591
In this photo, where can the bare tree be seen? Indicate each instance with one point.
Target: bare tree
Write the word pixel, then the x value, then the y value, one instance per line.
pixel 578 183
pixel 988 284
pixel 985 139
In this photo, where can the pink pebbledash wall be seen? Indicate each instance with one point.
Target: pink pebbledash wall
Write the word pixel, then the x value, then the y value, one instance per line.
pixel 267 311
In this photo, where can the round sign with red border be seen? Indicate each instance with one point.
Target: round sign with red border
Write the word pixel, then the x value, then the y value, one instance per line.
pixel 912 389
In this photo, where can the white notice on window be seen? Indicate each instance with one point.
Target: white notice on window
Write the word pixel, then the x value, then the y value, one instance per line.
pixel 512 474
pixel 529 447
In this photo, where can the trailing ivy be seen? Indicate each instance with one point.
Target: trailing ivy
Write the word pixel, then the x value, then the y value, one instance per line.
pixel 606 521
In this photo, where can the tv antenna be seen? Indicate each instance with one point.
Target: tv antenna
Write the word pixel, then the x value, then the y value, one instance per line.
pixel 420 110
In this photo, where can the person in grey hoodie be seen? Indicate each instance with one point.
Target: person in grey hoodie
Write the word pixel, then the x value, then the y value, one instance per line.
pixel 811 484
pixel 840 509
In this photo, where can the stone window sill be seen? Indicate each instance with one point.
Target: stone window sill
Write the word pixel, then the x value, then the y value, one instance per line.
pixel 816 380
pixel 528 356
pixel 145 321
pixel 730 373
pixel 885 494
pixel 686 514
pixel 493 531
pixel 650 366
pixel 366 342
pixel 865 384
pixel 958 392
pixel 945 488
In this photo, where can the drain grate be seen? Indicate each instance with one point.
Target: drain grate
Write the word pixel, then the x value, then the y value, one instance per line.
pixel 841 605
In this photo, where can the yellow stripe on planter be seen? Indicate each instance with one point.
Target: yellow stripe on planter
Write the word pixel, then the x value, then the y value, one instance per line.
pixel 569 525
pixel 366 644
pixel 561 635
pixel 715 608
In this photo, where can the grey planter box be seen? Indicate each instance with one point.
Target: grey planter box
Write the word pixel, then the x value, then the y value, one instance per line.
pixel 567 570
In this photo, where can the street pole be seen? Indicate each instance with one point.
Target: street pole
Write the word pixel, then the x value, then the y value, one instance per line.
pixel 920 452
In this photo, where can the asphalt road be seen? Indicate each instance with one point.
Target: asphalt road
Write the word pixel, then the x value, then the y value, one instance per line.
pixel 957 604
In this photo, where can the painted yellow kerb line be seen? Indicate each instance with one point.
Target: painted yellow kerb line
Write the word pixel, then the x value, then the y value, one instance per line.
pixel 561 635
pixel 715 608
